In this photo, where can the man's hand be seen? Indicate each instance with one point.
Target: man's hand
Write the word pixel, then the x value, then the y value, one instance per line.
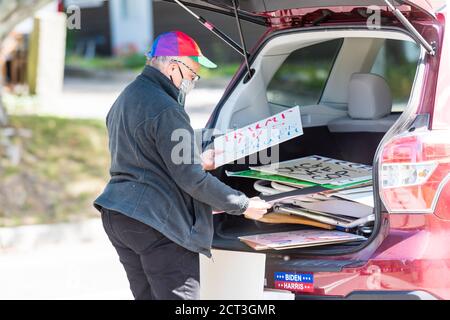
pixel 208 160
pixel 257 208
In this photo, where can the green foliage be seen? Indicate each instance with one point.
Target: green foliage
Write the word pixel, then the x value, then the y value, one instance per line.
pixel 400 79
pixel 226 70
pixel 135 62
pixel 64 167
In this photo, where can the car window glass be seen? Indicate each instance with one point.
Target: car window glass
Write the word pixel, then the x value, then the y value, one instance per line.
pixel 397 62
pixel 302 77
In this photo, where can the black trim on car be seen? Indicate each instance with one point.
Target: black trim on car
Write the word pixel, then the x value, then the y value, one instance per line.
pixel 260 20
pixel 314 265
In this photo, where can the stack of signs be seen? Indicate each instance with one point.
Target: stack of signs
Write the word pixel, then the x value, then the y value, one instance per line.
pixel 298 239
pixel 254 174
pixel 312 171
pixel 258 136
pixel 362 195
pixel 320 170
pixel 346 198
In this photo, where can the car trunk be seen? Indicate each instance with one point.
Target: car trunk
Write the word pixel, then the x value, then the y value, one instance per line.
pixel 357 147
pixel 354 147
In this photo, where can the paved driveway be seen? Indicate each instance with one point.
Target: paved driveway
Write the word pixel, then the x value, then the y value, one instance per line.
pixel 92 97
pixel 67 261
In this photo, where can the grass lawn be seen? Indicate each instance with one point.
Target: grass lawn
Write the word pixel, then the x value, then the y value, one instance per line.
pixel 64 167
pixel 136 62
pixel 132 62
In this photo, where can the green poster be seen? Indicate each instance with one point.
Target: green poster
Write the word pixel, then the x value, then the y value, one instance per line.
pixel 281 179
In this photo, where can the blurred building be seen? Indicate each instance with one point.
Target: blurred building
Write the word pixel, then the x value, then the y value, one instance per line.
pixel 33 53
pixel 114 27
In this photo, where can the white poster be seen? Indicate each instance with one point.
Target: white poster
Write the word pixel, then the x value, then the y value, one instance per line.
pixel 258 136
pixel 232 275
pixel 320 170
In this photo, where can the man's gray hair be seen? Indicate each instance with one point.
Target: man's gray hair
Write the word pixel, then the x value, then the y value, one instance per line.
pixel 160 62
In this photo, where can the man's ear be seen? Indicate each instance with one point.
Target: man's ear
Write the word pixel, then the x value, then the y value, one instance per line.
pixel 170 68
pixel 167 70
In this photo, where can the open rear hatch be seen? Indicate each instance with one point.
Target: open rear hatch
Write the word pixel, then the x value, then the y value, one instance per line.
pixel 293 13
pixel 276 14
pixel 261 11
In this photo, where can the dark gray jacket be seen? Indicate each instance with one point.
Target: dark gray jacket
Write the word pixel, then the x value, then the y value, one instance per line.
pixel 175 199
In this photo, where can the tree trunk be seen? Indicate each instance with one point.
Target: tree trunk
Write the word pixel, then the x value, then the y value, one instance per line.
pixel 12 12
pixel 3 114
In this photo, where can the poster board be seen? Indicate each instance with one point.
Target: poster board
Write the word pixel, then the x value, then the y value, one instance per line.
pixel 320 170
pixel 298 239
pixel 258 136
pixel 232 275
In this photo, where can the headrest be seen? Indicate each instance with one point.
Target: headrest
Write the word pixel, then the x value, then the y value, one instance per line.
pixel 369 97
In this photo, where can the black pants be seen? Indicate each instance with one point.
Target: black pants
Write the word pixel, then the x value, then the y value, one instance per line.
pixel 156 267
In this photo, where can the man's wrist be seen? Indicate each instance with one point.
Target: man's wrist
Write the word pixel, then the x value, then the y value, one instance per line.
pixel 245 205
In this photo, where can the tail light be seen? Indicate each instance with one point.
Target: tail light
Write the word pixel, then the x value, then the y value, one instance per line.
pixel 60 5
pixel 414 170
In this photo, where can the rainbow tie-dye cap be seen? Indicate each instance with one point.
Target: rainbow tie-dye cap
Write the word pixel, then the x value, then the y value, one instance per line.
pixel 179 44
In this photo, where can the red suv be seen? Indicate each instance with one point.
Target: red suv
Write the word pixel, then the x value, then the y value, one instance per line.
pixel 314 54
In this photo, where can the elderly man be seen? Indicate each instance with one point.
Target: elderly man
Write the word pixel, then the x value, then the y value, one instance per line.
pixel 156 210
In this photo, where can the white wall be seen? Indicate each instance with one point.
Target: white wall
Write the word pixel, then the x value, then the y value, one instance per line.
pixel 84 3
pixel 131 24
pixel 51 50
pixel 26 26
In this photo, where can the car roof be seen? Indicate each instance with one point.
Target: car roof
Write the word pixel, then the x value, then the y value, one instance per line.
pixel 264 6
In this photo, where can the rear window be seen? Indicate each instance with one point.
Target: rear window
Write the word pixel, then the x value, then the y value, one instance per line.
pixel 397 63
pixel 303 75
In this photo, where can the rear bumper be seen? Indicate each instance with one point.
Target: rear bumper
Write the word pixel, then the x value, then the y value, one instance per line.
pixel 375 295
pixel 375 280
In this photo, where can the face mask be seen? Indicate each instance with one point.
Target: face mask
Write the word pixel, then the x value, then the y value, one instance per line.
pixel 186 86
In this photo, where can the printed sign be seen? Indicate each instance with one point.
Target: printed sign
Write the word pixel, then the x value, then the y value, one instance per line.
pixel 294 277
pixel 258 136
pixel 294 286
pixel 298 239
pixel 294 281
pixel 320 170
